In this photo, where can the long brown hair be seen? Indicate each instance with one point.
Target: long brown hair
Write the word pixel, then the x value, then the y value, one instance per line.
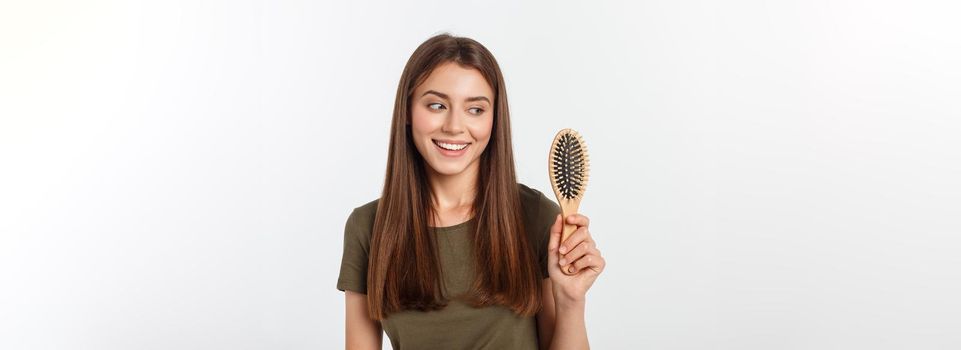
pixel 404 268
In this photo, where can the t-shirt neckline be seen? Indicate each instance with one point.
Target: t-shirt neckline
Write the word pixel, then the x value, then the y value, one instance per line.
pixel 457 227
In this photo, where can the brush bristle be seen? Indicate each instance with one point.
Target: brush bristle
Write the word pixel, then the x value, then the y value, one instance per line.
pixel 569 165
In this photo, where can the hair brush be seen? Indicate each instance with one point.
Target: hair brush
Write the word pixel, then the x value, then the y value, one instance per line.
pixel 568 166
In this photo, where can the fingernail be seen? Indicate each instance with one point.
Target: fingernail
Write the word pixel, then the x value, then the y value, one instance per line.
pixel 563 262
pixel 563 250
pixel 571 270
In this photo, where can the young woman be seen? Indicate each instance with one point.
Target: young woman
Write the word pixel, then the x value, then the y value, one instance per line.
pixel 456 254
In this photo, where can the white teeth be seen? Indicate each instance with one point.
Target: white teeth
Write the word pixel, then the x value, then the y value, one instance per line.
pixel 450 146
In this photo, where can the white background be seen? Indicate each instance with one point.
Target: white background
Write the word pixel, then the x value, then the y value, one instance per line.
pixel 765 175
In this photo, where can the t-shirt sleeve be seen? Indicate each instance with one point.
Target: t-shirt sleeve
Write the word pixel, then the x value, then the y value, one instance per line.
pixel 547 212
pixel 353 264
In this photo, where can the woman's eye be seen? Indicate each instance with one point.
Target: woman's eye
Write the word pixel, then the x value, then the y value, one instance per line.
pixel 431 106
pixel 479 111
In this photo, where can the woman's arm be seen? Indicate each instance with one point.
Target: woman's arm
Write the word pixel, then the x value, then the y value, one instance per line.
pixel 362 332
pixel 570 332
pixel 545 317
pixel 560 326
pixel 567 293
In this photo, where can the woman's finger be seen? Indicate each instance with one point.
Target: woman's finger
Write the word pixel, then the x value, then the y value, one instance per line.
pixel 576 238
pixel 591 261
pixel 578 219
pixel 576 253
pixel 554 241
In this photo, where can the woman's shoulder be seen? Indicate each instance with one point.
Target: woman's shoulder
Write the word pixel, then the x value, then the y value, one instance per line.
pixel 540 213
pixel 353 265
pixel 366 209
pixel 533 196
pixel 360 222
pixel 538 208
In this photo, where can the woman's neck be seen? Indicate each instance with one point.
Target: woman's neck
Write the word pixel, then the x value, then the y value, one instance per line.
pixel 453 193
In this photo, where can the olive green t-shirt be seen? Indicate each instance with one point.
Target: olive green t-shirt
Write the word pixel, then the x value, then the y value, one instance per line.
pixel 457 326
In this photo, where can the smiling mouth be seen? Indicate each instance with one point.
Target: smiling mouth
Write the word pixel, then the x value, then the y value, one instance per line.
pixel 451 146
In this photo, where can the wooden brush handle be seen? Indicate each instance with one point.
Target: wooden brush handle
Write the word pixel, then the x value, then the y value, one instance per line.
pixel 568 208
pixel 569 229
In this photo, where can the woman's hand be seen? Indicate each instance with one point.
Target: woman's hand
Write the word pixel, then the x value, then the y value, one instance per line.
pixel 578 255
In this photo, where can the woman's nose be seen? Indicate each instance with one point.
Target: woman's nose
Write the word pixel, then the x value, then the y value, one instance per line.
pixel 453 123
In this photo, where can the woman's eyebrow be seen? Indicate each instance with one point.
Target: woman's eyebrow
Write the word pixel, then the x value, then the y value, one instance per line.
pixel 444 96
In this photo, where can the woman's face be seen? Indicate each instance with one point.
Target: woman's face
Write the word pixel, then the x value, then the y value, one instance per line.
pixel 451 117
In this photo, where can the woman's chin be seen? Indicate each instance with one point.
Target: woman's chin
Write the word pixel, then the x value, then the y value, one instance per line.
pixel 449 170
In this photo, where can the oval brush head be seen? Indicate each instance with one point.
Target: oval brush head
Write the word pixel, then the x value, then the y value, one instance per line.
pixel 568 168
